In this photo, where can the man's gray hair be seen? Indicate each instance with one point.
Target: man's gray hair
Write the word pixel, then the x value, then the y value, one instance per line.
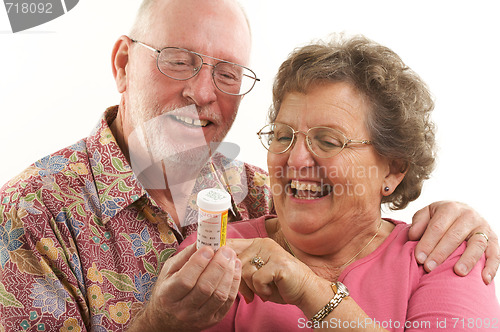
pixel 141 24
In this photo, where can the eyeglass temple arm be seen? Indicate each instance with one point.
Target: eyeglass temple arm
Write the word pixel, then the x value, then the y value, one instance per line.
pixel 255 78
pixel 364 141
pixel 146 46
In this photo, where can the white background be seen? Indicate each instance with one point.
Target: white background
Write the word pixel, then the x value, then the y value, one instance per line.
pixel 56 79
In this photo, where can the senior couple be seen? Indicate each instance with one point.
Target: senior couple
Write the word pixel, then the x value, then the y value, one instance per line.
pixel 88 245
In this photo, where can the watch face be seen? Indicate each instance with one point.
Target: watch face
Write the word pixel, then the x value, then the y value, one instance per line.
pixel 342 288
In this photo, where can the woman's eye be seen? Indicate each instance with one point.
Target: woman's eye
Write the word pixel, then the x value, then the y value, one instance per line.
pixel 283 136
pixel 284 139
pixel 328 142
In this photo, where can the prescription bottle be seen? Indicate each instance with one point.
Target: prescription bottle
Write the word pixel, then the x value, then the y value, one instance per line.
pixel 213 205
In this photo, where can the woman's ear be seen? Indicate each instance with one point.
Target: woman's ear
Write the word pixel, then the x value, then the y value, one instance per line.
pixel 119 61
pixel 396 174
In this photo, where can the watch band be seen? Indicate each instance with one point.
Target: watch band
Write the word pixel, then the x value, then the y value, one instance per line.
pixel 340 291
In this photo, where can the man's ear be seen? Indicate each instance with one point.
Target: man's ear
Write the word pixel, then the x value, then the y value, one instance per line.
pixel 396 174
pixel 119 61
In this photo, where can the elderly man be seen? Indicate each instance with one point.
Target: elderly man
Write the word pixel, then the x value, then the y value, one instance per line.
pixel 86 232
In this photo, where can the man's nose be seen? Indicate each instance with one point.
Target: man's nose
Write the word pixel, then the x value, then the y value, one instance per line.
pixel 201 88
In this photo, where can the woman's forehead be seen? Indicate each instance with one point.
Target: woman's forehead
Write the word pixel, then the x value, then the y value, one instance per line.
pixel 336 104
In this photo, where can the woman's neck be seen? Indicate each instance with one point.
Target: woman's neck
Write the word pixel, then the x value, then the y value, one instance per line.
pixel 329 255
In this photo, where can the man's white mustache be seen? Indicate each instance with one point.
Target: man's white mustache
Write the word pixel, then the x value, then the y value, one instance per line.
pixel 149 145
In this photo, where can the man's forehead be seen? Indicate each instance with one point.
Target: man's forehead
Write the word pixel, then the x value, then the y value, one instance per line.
pixel 212 9
pixel 215 28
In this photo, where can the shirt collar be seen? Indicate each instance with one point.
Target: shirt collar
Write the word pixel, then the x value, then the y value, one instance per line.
pixel 116 185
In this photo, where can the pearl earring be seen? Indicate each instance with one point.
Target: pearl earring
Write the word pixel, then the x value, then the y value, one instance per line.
pixel 386 189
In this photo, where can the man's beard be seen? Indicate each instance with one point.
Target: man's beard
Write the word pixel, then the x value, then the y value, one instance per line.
pixel 158 149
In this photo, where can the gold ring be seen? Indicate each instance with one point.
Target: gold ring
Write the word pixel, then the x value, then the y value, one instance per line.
pixel 257 261
pixel 483 235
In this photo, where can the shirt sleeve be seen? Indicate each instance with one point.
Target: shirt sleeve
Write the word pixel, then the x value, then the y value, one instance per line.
pixel 257 200
pixel 41 283
pixel 444 301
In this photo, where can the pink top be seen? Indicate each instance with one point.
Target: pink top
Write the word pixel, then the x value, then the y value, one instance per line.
pixel 388 285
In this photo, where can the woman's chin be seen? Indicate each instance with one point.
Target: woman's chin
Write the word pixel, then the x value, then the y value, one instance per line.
pixel 302 223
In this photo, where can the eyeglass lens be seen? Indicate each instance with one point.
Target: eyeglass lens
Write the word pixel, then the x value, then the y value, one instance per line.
pixel 324 142
pixel 228 77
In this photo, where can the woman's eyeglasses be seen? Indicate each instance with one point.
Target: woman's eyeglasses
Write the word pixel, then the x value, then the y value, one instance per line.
pixel 323 142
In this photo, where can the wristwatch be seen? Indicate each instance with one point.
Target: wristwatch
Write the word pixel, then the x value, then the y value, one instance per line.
pixel 340 291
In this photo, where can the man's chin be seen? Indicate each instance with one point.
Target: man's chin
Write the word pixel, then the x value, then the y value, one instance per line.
pixel 174 168
pixel 194 157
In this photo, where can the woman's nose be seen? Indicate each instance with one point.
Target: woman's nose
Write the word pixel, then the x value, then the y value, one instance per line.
pixel 299 154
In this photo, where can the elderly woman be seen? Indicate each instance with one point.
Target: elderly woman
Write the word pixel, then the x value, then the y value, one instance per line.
pixel 350 130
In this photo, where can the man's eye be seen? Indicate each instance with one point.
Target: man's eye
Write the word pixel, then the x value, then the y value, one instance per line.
pixel 179 62
pixel 228 77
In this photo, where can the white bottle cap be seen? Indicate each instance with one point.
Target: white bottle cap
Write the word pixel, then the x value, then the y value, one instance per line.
pixel 213 200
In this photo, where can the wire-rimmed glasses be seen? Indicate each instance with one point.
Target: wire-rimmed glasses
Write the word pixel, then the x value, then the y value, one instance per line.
pixel 181 64
pixel 323 142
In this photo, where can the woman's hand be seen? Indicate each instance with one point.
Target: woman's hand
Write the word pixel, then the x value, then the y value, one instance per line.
pixel 282 278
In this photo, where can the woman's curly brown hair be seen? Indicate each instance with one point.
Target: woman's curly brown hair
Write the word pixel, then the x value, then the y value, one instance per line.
pixel 399 123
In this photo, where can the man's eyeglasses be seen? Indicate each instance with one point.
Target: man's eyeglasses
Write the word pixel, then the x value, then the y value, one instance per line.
pixel 323 142
pixel 181 64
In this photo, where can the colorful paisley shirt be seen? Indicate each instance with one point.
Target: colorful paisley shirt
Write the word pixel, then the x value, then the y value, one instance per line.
pixel 81 241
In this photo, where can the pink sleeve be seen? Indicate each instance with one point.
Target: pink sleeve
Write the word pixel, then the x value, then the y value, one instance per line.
pixel 187 241
pixel 444 302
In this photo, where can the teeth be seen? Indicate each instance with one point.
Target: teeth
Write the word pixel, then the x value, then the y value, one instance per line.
pixel 305 186
pixel 314 188
pixel 191 121
pixel 309 198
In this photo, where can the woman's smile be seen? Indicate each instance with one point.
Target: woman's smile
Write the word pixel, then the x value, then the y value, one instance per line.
pixel 308 190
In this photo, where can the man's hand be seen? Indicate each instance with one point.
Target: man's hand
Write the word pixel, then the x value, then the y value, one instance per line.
pixel 443 226
pixel 195 290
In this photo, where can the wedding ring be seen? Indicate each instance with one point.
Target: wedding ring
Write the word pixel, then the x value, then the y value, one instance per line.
pixel 483 235
pixel 257 261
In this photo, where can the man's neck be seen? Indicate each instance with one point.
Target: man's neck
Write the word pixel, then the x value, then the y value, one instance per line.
pixel 163 182
pixel 116 127
pixel 175 203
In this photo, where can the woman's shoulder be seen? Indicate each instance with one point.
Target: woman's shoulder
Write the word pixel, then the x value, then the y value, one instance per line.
pixel 399 240
pixel 393 255
pixel 415 293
